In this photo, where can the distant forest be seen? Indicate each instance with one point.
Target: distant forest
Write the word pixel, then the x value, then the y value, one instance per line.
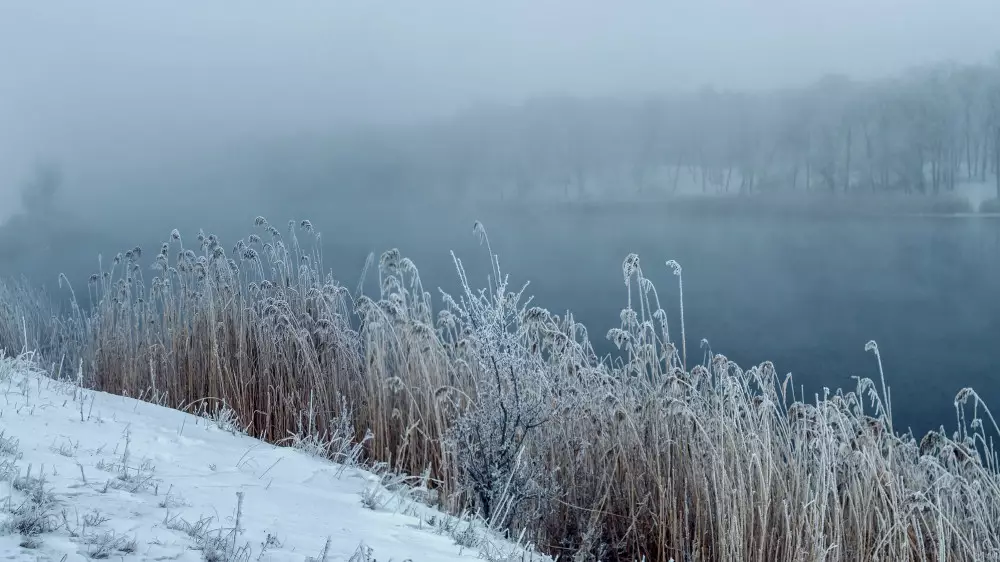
pixel 906 142
pixel 921 132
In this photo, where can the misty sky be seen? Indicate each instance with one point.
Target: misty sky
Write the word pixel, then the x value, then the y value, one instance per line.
pixel 101 80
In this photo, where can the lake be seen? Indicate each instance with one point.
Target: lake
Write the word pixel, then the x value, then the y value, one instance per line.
pixel 806 294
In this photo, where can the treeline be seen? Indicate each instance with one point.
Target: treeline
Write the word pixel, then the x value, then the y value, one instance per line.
pixel 922 132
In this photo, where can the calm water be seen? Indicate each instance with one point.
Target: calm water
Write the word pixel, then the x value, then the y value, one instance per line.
pixel 805 294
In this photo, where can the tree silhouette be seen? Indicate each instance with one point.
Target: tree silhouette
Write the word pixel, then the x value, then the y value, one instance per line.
pixel 38 194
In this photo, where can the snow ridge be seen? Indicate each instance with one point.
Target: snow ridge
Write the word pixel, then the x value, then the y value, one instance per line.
pixel 89 475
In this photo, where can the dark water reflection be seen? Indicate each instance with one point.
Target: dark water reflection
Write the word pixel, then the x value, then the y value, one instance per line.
pixel 805 294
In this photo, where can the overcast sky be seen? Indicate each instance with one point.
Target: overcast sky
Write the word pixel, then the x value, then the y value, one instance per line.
pixel 100 77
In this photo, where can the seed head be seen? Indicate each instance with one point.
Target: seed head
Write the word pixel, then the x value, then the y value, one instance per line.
pixel 479 230
pixel 630 266
pixel 390 260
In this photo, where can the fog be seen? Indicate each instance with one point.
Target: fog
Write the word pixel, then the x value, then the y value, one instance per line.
pixel 391 124
pixel 119 80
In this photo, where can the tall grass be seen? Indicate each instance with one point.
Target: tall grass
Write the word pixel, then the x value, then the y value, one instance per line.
pixel 509 411
pixel 29 319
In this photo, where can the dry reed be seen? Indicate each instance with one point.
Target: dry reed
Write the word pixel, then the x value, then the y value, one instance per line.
pixel 510 411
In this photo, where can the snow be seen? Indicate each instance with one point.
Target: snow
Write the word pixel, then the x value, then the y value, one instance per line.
pixel 976 192
pixel 182 469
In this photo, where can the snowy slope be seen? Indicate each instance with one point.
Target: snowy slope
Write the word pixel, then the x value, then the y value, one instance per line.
pixel 136 481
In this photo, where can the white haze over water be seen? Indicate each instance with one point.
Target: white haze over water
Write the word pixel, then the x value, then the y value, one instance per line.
pixel 115 81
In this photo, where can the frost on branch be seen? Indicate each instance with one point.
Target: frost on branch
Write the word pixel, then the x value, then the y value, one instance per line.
pixel 513 396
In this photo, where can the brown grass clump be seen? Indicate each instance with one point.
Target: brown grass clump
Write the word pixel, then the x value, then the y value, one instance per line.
pixel 509 412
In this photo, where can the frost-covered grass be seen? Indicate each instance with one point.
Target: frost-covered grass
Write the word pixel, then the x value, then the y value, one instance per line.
pixel 501 413
pixel 26 315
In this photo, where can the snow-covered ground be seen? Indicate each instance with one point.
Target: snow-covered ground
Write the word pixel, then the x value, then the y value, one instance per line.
pixel 87 475
pixel 976 192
